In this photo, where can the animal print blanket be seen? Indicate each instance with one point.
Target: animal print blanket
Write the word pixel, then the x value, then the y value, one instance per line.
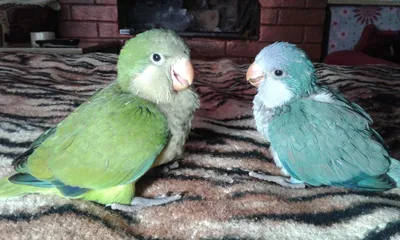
pixel 220 200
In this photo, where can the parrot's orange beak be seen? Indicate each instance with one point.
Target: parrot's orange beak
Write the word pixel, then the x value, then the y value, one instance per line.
pixel 182 74
pixel 255 75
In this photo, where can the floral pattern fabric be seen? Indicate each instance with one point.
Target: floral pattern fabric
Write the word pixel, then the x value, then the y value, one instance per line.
pixel 348 22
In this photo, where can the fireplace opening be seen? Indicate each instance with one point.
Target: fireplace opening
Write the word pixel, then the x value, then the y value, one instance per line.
pixel 232 19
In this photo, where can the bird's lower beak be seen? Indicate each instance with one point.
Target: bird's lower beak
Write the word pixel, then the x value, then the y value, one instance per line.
pixel 182 74
pixel 255 75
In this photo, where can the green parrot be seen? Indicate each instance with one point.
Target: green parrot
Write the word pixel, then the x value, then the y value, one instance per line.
pixel 139 121
pixel 317 136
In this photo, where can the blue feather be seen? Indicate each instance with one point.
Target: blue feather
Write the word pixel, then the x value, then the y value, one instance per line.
pixel 27 179
pixel 69 191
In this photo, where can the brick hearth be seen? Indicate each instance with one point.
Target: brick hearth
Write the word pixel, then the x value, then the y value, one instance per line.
pixel 295 21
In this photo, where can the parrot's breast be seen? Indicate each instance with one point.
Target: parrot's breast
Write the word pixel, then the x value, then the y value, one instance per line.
pixel 262 116
pixel 179 113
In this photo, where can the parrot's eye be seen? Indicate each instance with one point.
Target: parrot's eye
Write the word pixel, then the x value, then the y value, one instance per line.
pixel 157 58
pixel 278 73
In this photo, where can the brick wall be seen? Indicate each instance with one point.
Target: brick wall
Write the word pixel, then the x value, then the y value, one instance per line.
pixel 296 21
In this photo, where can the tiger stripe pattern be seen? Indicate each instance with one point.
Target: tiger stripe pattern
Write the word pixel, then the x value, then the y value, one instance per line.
pixel 220 200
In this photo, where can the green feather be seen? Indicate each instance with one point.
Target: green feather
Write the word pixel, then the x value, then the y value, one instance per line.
pixel 135 55
pixel 20 161
pixel 102 148
pixel 8 189
pixel 109 141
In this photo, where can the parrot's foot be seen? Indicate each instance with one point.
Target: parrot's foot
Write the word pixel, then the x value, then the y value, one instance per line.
pixel 140 203
pixel 171 166
pixel 284 182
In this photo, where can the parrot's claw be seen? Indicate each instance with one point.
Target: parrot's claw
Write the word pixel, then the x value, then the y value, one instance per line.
pixel 283 181
pixel 140 203
pixel 174 165
pixel 171 166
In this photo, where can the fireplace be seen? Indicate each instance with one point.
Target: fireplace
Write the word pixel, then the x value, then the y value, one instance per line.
pixel 254 24
pixel 229 19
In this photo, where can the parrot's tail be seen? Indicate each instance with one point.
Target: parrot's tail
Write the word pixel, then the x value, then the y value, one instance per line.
pixel 394 171
pixel 8 189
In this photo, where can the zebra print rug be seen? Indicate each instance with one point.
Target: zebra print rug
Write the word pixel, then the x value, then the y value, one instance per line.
pixel 220 200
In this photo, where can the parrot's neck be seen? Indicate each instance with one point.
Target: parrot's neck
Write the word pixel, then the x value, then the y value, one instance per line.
pixel 262 116
pixel 276 95
pixel 264 113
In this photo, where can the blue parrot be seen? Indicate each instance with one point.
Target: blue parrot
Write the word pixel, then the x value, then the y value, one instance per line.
pixel 317 136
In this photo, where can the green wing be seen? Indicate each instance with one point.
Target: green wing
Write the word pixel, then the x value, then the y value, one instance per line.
pixel 20 162
pixel 111 139
pixel 331 144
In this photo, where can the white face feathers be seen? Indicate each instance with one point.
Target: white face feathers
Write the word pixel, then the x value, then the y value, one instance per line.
pixel 274 93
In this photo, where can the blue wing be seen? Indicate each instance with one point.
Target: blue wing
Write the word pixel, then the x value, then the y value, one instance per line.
pixel 331 143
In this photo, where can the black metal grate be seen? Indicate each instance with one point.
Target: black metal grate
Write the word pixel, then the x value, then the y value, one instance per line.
pixel 229 19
